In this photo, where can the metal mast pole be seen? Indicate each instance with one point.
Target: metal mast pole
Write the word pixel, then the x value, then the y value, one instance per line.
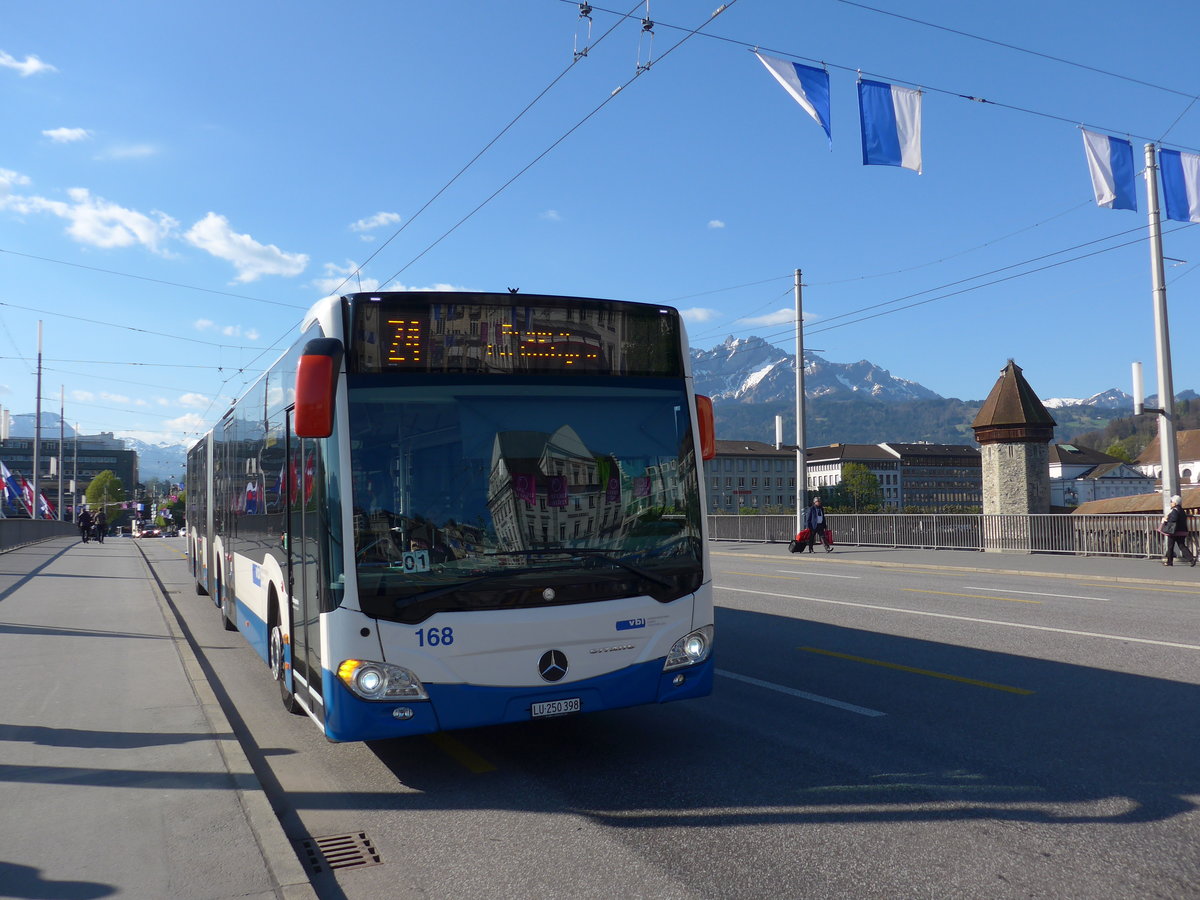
pixel 61 455
pixel 37 433
pixel 1162 341
pixel 801 456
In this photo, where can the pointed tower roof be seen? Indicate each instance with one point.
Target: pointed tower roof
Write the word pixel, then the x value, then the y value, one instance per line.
pixel 1012 413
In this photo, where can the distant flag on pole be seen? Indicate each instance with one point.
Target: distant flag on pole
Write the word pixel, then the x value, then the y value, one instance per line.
pixel 1181 184
pixel 12 488
pixel 1110 161
pixel 891 125
pixel 809 86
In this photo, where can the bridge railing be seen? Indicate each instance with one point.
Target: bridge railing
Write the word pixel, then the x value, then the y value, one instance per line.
pixel 1133 535
pixel 18 532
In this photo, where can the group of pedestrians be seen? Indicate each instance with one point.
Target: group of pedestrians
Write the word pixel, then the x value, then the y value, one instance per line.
pixel 92 526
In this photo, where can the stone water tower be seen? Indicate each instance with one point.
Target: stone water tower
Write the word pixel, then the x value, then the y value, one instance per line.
pixel 1014 432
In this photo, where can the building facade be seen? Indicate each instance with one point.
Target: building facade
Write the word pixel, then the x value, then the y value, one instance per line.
pixel 913 477
pixel 81 459
pixel 1081 475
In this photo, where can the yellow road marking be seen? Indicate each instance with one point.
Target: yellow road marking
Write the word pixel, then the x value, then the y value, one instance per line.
pixel 460 753
pixel 976 596
pixel 914 671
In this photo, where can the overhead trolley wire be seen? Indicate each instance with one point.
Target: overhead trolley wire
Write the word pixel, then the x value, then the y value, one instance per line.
pixel 578 55
pixel 639 72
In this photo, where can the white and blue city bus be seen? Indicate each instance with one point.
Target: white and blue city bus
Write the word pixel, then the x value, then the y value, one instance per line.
pixel 447 510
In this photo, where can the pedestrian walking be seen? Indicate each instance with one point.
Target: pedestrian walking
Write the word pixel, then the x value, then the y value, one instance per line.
pixel 814 521
pixel 85 525
pixel 101 525
pixel 1175 527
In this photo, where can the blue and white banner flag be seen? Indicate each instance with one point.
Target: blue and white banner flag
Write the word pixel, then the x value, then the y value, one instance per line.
pixel 1181 184
pixel 808 86
pixel 1110 161
pixel 891 125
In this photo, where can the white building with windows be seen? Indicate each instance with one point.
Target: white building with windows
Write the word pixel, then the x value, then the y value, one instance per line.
pixel 1081 474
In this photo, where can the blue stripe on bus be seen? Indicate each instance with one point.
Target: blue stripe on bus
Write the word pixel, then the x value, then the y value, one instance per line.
pixel 471 706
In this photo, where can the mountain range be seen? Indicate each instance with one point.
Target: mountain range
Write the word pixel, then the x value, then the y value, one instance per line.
pixel 751 382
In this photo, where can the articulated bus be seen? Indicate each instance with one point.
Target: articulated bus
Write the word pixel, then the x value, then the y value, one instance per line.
pixel 448 510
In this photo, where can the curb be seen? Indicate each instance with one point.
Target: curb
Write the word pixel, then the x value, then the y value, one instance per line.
pixel 277 852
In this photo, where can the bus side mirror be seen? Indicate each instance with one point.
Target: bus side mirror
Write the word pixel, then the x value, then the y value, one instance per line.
pixel 708 427
pixel 316 383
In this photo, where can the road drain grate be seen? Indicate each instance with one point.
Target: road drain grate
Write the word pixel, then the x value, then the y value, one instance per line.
pixel 339 851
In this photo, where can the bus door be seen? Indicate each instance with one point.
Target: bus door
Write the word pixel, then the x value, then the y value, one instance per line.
pixel 304 568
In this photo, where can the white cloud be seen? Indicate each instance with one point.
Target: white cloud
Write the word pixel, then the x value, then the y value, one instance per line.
pixel 783 316
pixel 551 215
pixel 9 179
pixel 251 259
pixel 335 279
pixel 188 422
pixel 67 135
pixel 251 334
pixel 128 151
pixel 83 396
pixel 379 220
pixel 699 314
pixel 194 401
pixel 30 65
pixel 114 398
pixel 715 223
pixel 97 222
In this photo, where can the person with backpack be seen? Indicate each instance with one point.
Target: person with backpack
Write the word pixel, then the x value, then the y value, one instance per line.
pixel 101 526
pixel 85 525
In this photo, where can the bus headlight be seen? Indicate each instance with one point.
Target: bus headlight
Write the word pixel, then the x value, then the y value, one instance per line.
pixel 381 681
pixel 694 647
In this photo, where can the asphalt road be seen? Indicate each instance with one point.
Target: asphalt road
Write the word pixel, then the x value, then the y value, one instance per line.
pixel 874 732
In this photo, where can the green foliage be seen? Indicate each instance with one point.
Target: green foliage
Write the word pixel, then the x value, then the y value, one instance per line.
pixel 1120 451
pixel 105 490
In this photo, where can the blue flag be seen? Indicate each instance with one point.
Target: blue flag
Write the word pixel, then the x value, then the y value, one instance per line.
pixel 891 125
pixel 1110 162
pixel 1181 184
pixel 808 86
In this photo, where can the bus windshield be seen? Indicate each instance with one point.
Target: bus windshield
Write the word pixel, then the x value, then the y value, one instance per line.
pixel 535 491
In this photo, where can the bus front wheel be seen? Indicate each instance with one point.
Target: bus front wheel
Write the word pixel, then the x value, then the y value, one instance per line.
pixel 275 653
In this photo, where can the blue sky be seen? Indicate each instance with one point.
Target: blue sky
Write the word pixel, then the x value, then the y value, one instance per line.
pixel 180 181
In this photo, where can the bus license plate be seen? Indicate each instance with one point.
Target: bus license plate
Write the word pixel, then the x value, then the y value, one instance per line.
pixel 555 708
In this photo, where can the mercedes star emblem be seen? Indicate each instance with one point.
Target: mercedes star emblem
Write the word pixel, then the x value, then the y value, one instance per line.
pixel 553 665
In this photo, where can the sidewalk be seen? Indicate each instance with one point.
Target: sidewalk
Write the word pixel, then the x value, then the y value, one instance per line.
pixel 121 774
pixel 1047 565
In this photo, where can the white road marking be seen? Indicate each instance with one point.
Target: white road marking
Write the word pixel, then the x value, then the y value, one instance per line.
pixel 803 695
pixel 974 587
pixel 933 615
pixel 817 574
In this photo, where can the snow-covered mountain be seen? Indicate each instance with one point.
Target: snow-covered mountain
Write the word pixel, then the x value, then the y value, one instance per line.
pixel 1112 399
pixel 159 461
pixel 752 371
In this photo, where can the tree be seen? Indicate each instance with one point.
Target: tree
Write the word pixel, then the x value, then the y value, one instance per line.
pixel 862 487
pixel 105 492
pixel 1120 452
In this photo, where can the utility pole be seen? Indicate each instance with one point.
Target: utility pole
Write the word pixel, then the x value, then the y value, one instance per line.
pixel 37 433
pixel 1162 341
pixel 801 453
pixel 61 454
